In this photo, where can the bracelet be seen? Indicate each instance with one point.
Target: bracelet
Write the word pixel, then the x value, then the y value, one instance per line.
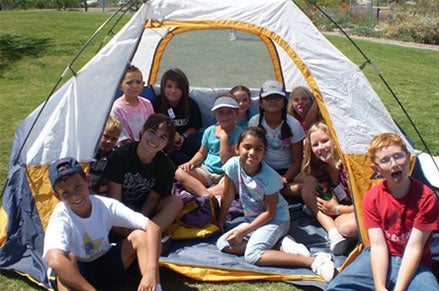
pixel 337 210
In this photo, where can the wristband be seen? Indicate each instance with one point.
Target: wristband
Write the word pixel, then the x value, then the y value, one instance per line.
pixel 337 210
pixel 184 135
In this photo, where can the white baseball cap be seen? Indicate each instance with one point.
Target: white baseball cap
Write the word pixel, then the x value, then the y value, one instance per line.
pixel 272 88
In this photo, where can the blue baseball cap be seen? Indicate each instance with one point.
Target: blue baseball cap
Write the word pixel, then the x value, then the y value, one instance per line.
pixel 64 167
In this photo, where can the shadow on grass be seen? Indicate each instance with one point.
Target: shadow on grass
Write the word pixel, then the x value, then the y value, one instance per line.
pixel 14 47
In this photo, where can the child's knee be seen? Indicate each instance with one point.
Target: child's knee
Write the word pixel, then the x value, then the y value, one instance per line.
pixel 181 174
pixel 346 226
pixel 221 243
pixel 253 255
pixel 176 203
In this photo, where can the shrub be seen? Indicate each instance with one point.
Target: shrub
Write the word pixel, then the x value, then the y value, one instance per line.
pixel 414 23
pixel 366 31
pixel 348 17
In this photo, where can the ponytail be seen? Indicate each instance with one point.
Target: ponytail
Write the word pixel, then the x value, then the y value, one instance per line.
pixel 285 129
pixel 261 116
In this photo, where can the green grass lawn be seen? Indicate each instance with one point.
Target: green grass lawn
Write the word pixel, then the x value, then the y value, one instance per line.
pixel 47 42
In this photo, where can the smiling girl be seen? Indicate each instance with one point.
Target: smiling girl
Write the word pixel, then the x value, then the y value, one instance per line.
pixel 174 101
pixel 217 146
pixel 265 211
pixel 242 94
pixel 284 134
pixel 322 166
pixel 141 175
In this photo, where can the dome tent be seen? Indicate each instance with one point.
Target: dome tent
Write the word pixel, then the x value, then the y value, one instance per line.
pixel 61 126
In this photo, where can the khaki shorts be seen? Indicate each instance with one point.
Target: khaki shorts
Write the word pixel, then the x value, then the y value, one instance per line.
pixel 211 178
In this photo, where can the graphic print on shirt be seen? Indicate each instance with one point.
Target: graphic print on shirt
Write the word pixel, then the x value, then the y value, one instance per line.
pixel 251 194
pixel 180 122
pixel 91 247
pixel 398 233
pixel 135 186
pixel 275 140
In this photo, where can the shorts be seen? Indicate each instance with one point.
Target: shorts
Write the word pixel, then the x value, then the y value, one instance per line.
pixel 211 178
pixel 259 240
pixel 107 270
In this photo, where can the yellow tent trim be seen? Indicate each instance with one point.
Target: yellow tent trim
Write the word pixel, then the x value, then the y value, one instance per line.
pixel 39 184
pixel 32 279
pixel 209 274
pixel 3 217
pixel 266 36
pixel 351 257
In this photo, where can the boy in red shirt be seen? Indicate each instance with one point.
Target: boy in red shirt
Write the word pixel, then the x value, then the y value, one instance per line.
pixel 400 214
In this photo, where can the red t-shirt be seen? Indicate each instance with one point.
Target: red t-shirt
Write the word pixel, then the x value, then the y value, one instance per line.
pixel 397 216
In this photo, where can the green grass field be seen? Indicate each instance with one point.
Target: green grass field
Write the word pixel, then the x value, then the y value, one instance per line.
pixel 45 42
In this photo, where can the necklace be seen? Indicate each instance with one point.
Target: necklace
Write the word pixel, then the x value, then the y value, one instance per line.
pixel 273 132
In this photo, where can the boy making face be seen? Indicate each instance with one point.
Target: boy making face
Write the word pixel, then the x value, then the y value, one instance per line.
pixel 76 242
pixel 400 214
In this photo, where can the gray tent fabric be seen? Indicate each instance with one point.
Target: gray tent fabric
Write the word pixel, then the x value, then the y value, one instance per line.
pixel 304 229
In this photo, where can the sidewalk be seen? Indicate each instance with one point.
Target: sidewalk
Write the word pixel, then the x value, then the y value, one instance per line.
pixel 389 41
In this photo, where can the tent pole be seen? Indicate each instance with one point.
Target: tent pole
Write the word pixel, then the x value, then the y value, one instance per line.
pixel 69 67
pixel 375 69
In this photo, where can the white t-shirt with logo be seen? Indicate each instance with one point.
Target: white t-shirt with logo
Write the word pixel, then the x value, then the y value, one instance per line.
pixel 87 238
pixel 279 154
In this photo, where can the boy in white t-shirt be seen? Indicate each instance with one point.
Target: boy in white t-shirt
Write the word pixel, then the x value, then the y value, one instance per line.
pixel 76 244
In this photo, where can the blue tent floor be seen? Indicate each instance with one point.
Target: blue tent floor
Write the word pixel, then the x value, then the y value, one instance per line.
pixel 195 254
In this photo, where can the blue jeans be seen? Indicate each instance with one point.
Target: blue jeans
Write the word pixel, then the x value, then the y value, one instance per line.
pixel 358 275
pixel 189 148
pixel 258 241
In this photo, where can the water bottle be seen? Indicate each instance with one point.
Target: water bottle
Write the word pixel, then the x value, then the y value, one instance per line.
pixel 324 195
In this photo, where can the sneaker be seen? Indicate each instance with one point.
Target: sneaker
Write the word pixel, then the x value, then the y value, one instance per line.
pixel 290 246
pixel 339 245
pixel 323 266
pixel 166 245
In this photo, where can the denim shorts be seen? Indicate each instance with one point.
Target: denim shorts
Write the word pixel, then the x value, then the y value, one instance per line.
pixel 258 241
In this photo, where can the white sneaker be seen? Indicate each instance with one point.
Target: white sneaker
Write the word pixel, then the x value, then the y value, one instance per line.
pixel 339 245
pixel 323 266
pixel 290 246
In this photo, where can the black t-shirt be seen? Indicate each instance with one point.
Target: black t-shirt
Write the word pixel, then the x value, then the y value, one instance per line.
pixel 182 120
pixel 138 179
